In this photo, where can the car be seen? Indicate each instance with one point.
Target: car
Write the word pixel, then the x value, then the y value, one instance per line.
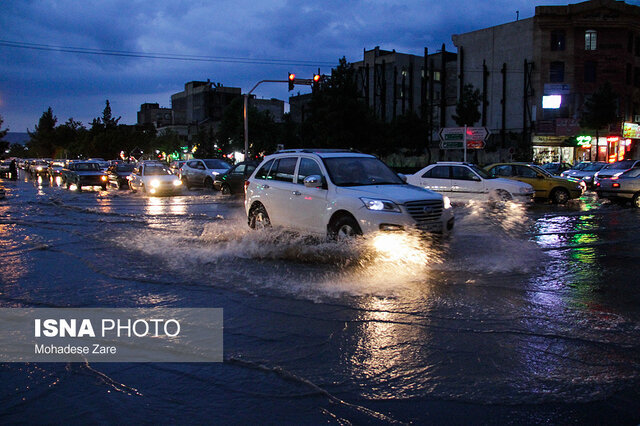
pixel 38 168
pixel 624 187
pixel 154 178
pixel 464 182
pixel 175 166
pixel 340 194
pixel 54 169
pixel 232 181
pixel 614 169
pixel 118 174
pixel 5 168
pixel 84 173
pixel 556 168
pixel 558 190
pixel 104 165
pixel 201 172
pixel 584 171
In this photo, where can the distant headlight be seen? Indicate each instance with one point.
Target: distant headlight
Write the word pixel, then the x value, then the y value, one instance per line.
pixel 447 202
pixel 177 182
pixel 155 183
pixel 39 168
pixel 104 178
pixel 380 205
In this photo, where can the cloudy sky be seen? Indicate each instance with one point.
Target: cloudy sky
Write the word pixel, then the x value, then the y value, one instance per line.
pixel 235 42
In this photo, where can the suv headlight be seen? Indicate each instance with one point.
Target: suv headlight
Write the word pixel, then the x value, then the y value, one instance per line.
pixel 155 183
pixel 380 205
pixel 447 202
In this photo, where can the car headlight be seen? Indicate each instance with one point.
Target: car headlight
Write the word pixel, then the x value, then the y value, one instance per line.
pixel 155 183
pixel 39 168
pixel 380 205
pixel 587 178
pixel 447 202
pixel 103 178
pixel 214 174
pixel 177 182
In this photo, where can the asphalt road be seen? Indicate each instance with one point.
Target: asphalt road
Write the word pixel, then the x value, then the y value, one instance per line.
pixel 525 315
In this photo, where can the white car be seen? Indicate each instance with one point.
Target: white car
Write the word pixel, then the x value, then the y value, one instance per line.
pixel 463 182
pixel 340 194
pixel 154 178
pixel 201 172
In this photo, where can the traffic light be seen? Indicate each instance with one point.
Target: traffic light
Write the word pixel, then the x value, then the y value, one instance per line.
pixel 316 78
pixel 292 78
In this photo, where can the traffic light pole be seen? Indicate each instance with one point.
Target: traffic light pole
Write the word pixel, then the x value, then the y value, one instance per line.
pixel 245 114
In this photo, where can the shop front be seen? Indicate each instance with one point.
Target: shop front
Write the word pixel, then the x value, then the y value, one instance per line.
pixel 554 149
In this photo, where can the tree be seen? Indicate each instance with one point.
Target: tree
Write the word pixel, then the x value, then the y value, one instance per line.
pixel 263 130
pixel 43 141
pixel 467 112
pixel 339 119
pixel 600 109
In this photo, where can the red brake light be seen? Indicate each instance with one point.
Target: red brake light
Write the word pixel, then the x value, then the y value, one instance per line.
pixel 616 185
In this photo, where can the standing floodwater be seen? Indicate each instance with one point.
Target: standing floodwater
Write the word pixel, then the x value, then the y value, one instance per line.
pixel 524 315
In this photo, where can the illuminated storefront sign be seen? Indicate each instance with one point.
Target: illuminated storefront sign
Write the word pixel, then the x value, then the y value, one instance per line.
pixel 584 141
pixel 631 130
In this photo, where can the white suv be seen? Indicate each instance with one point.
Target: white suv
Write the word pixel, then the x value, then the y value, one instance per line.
pixel 466 182
pixel 339 193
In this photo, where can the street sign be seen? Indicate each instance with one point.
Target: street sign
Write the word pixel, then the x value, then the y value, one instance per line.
pixel 452 144
pixel 477 133
pixel 471 144
pixel 451 134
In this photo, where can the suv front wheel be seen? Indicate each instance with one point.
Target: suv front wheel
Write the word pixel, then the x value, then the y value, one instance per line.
pixel 344 227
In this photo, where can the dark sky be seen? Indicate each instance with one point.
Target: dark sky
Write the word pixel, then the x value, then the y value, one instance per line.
pixel 244 41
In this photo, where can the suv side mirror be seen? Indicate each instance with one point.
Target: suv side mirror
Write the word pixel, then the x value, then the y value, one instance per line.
pixel 313 181
pixel 403 177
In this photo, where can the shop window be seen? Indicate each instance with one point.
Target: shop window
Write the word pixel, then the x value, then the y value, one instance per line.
pixel 557 40
pixel 590 71
pixel 590 40
pixel 556 72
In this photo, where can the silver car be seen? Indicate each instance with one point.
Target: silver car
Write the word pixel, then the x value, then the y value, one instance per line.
pixel 622 188
pixel 584 171
pixel 202 172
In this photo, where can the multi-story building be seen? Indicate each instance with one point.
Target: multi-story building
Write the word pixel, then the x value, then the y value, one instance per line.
pixel 201 105
pixel 535 75
pixel 394 84
pixel 153 114
pixel 275 107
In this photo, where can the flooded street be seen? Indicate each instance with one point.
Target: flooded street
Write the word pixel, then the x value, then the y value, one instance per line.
pixel 523 315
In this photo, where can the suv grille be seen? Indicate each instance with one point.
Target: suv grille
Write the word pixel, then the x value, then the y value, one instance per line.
pixel 425 211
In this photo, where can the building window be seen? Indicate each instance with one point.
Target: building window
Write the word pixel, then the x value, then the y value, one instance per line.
pixel 590 71
pixel 556 72
pixel 436 75
pixel 590 40
pixel 557 40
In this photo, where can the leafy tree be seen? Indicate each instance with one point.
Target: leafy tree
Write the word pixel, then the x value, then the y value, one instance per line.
pixel 410 132
pixel 339 119
pixel 263 130
pixel 43 141
pixel 467 112
pixel 600 109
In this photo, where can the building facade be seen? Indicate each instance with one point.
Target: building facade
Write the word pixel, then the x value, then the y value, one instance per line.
pixel 535 75
pixel 155 115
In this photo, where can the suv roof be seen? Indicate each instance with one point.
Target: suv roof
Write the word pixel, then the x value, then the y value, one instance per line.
pixel 324 153
pixel 457 163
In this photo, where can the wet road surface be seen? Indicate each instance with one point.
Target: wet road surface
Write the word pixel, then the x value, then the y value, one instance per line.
pixel 525 315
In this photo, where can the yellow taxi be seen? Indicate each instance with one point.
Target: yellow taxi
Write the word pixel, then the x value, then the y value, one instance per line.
pixel 557 189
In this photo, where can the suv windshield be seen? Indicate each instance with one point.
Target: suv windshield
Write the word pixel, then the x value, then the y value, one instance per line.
pixel 216 164
pixel 357 171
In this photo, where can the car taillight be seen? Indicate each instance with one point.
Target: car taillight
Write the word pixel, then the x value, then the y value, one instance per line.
pixel 597 183
pixel 616 185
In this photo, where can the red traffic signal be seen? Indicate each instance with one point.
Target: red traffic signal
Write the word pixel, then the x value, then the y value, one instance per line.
pixel 292 78
pixel 316 78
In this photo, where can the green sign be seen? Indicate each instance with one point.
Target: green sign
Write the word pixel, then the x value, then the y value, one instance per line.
pixel 583 140
pixel 455 144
